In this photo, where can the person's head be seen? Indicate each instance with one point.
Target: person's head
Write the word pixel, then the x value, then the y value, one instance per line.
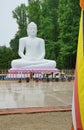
pixel 32 29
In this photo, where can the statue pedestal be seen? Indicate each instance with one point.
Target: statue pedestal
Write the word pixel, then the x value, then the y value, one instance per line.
pixel 23 73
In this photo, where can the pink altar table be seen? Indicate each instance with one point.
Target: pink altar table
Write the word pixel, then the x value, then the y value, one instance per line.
pixel 26 72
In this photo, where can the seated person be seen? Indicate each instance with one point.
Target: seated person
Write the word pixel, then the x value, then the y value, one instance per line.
pixel 34 51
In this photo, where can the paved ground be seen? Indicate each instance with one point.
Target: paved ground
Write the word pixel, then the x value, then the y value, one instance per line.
pixel 35 97
pixel 37 121
pixel 35 94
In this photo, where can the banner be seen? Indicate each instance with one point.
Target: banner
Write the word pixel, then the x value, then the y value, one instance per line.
pixel 78 92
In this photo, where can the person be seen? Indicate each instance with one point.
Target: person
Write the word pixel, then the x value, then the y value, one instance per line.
pixel 34 48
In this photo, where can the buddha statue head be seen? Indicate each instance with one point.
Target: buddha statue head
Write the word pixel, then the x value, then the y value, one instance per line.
pixel 32 29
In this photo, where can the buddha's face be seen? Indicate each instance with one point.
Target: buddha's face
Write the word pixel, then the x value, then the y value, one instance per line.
pixel 32 29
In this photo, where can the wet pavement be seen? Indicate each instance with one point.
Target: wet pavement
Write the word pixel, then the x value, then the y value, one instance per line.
pixel 35 94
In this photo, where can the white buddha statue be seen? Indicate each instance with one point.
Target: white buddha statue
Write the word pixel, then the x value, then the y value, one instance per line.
pixel 34 51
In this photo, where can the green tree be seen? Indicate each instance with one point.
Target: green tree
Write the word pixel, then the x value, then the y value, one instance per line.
pixel 6 56
pixel 68 20
pixel 14 44
pixel 48 28
pixel 20 14
pixel 34 11
pixel 52 12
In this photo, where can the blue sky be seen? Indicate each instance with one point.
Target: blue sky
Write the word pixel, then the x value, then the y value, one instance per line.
pixel 8 25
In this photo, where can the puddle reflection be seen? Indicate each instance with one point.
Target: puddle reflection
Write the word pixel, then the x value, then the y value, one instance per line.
pixel 21 96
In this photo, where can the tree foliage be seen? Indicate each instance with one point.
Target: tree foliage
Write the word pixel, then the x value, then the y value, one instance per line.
pixel 6 56
pixel 34 11
pixel 68 20
pixel 20 14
